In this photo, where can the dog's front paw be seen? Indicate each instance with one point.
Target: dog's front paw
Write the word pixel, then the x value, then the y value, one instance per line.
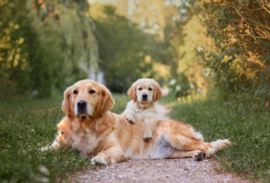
pixel 147 136
pixel 131 119
pixel 98 160
pixel 198 156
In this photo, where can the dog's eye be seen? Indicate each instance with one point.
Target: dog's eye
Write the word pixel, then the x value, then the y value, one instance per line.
pixel 92 91
pixel 75 92
pixel 150 89
pixel 140 88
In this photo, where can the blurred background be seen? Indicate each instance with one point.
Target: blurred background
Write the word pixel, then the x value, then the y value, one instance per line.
pixel 211 56
pixel 190 47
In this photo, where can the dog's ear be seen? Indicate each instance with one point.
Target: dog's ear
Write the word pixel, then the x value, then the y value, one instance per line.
pixel 132 92
pixel 106 101
pixel 66 103
pixel 157 92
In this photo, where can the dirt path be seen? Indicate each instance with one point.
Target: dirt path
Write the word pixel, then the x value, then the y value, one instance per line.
pixel 163 170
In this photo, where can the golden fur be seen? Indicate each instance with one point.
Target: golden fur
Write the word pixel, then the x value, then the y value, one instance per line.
pixel 144 110
pixel 110 138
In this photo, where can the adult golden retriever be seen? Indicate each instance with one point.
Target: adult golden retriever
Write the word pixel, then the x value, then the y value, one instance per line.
pixel 143 94
pixel 109 138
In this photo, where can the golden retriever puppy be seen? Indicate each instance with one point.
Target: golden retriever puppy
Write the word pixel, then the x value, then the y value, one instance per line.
pixel 109 138
pixel 143 94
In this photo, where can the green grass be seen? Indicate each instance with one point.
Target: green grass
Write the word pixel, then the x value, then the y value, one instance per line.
pixel 249 131
pixel 26 126
pixel 121 101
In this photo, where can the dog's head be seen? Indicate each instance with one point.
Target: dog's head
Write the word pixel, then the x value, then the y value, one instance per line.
pixel 145 90
pixel 86 99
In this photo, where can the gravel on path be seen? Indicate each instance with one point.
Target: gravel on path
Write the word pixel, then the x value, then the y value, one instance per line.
pixel 163 170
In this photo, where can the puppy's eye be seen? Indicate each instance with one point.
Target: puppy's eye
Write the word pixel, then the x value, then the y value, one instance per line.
pixel 150 89
pixel 140 88
pixel 75 92
pixel 92 91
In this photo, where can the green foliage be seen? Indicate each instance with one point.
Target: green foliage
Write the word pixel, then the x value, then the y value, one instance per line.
pixel 121 101
pixel 69 28
pixel 180 87
pixel 190 75
pixel 25 64
pixel 249 131
pixel 237 51
pixel 42 43
pixel 242 33
pixel 122 49
pixel 28 125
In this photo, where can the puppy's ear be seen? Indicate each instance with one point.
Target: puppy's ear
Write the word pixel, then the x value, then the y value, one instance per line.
pixel 106 101
pixel 66 103
pixel 132 92
pixel 157 92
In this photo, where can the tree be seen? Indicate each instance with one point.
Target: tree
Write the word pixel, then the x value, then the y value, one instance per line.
pixel 26 65
pixel 44 45
pixel 122 48
pixel 68 25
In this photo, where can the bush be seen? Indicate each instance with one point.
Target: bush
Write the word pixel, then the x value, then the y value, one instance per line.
pixel 241 31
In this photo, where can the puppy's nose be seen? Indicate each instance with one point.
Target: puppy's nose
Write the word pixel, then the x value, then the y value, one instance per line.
pixel 81 104
pixel 144 96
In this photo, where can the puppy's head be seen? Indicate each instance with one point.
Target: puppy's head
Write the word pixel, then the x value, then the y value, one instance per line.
pixel 145 90
pixel 86 99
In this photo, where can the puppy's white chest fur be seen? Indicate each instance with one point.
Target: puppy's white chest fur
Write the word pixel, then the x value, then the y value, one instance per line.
pixel 140 112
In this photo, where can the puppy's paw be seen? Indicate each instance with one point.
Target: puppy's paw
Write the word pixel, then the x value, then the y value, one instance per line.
pixel 147 136
pixel 98 160
pixel 198 156
pixel 131 119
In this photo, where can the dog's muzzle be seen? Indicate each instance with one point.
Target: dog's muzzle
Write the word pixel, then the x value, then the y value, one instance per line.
pixel 144 97
pixel 83 110
pixel 81 106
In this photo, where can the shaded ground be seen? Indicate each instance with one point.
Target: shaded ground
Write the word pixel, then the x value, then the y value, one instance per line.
pixel 163 170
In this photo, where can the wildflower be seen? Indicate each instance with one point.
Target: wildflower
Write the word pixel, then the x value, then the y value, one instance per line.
pixel 200 90
pixel 43 170
pixel 178 88
pixel 173 81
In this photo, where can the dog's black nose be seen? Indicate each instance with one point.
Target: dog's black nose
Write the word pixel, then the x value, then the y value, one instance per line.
pixel 144 96
pixel 81 104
